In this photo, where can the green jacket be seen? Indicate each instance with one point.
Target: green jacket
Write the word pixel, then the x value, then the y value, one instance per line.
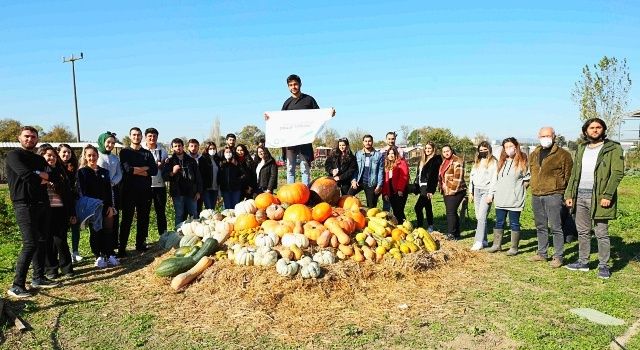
pixel 608 174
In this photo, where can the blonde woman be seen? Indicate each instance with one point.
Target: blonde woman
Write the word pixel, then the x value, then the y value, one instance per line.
pixel 481 185
pixel 453 187
pixel 427 182
pixel 509 193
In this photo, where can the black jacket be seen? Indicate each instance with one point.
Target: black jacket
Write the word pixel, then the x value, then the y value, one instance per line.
pixel 248 178
pixel 229 176
pixel 428 176
pixel 96 184
pixel 206 169
pixel 186 182
pixel 268 179
pixel 135 184
pixel 25 186
pixel 347 167
pixel 303 102
pixel 62 187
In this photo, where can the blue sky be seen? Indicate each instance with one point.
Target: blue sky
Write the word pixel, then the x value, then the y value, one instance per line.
pixel 502 69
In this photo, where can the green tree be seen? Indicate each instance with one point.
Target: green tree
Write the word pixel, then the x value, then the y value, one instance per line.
pixel 249 135
pixel 603 92
pixel 126 141
pixel 58 133
pixel 9 130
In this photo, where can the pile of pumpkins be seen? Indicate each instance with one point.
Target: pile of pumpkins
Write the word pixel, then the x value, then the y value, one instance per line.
pixel 303 228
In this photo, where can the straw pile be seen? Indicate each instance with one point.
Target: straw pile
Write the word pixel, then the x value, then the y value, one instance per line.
pixel 231 300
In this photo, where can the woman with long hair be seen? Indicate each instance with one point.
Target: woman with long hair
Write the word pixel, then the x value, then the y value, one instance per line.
pixel 229 178
pixel 427 182
pixel 248 167
pixel 266 171
pixel 453 187
pixel 63 213
pixel 481 184
pixel 95 182
pixel 509 193
pixel 209 164
pixel 396 177
pixel 341 165
pixel 69 162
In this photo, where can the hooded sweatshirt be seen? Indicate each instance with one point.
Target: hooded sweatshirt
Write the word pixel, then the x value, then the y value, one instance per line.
pixel 160 154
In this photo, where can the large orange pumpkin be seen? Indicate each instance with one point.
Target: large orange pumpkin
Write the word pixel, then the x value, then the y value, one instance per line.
pixel 324 189
pixel 297 212
pixel 295 193
pixel 321 212
pixel 348 202
pixel 245 221
pixel 278 227
pixel 263 200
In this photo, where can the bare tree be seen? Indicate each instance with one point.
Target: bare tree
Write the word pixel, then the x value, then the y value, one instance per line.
pixel 404 132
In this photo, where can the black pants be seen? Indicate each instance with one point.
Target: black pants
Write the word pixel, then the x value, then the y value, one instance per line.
pixel 116 219
pixel 101 242
pixel 140 203
pixel 344 188
pixel 568 222
pixel 58 255
pixel 423 204
pixel 160 207
pixel 397 203
pixel 369 193
pixel 33 221
pixel 451 204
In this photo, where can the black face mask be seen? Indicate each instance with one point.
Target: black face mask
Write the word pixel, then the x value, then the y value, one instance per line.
pixel 483 154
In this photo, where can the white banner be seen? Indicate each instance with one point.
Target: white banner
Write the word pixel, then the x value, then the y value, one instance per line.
pixel 292 128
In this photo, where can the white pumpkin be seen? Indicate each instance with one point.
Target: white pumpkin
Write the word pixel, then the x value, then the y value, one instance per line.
pixel 186 228
pixel 304 261
pixel 267 239
pixel 228 213
pixel 246 207
pixel 311 270
pixel 224 227
pixel 324 257
pixel 298 239
pixel 231 252
pixel 265 256
pixel 244 256
pixel 287 268
pixel 207 214
pixel 202 230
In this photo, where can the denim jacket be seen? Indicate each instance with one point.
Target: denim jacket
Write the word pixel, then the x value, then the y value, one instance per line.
pixel 376 174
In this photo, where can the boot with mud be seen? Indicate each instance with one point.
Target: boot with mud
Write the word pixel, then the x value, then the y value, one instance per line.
pixel 497 241
pixel 515 241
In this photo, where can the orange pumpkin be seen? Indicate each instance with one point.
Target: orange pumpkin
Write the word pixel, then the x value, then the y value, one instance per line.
pixel 245 221
pixel 297 212
pixel 275 212
pixel 278 227
pixel 359 218
pixel 263 200
pixel 324 189
pixel 349 202
pixel 321 211
pixel 313 230
pixel 295 193
pixel 347 224
pixel 397 234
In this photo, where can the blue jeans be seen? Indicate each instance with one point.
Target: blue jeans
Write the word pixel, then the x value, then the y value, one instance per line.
pixel 514 219
pixel 184 206
pixel 210 198
pixel 231 198
pixel 292 156
pixel 482 210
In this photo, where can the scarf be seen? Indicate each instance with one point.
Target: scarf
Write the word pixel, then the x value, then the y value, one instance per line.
pixel 101 139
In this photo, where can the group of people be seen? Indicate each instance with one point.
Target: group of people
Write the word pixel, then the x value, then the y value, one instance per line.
pixel 53 191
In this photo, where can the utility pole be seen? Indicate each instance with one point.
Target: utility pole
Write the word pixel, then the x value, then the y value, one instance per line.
pixel 73 60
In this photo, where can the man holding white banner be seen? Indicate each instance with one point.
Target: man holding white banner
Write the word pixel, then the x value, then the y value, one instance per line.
pixel 295 127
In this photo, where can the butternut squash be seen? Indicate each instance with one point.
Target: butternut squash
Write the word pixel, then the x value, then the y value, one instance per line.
pixel 297 252
pixel 347 250
pixel 334 226
pixel 324 240
pixel 183 279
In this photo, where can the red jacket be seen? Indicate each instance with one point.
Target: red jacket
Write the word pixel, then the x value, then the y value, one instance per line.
pixel 399 180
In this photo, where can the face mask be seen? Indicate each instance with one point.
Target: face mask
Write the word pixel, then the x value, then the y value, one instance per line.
pixel 483 154
pixel 228 156
pixel 546 142
pixel 510 152
pixel 212 152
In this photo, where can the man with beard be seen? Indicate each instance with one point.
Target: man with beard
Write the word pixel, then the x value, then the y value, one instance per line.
pixel 27 179
pixel 370 174
pixel 592 193
pixel 138 166
pixel 186 184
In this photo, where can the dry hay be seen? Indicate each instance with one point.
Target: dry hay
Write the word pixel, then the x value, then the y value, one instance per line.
pixel 230 300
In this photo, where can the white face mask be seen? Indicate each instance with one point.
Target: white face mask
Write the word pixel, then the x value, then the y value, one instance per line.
pixel 546 142
pixel 510 152
pixel 212 152
pixel 228 156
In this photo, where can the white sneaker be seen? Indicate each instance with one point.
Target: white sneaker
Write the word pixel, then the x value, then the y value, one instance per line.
pixel 101 263
pixel 476 246
pixel 430 228
pixel 113 261
pixel 75 257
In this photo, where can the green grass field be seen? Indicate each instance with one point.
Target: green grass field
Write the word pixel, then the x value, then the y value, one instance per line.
pixel 510 303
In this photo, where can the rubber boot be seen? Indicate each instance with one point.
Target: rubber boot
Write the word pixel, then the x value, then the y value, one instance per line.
pixel 497 240
pixel 515 240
